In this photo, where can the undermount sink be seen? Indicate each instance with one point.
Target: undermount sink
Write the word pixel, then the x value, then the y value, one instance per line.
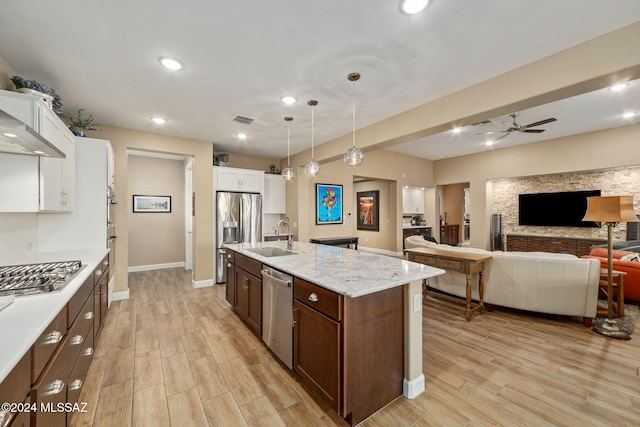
pixel 272 251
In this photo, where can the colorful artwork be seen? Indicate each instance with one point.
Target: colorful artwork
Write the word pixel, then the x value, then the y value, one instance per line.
pixel 328 204
pixel 368 210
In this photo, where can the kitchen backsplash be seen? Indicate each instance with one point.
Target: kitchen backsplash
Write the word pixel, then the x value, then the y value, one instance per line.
pixel 18 237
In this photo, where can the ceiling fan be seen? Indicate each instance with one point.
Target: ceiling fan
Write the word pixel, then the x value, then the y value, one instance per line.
pixel 515 127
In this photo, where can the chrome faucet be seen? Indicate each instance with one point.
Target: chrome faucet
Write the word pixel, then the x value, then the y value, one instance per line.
pixel 285 220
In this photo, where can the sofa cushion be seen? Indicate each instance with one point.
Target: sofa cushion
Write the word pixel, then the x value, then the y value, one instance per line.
pixel 635 249
pixel 430 238
pixel 602 253
pixel 633 257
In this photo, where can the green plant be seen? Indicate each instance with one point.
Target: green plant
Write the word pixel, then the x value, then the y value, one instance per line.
pixel 84 123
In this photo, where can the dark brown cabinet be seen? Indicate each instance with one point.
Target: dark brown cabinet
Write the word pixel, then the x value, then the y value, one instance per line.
pixel 247 282
pixel 349 350
pixel 231 279
pixel 414 231
pixel 569 245
pixel 450 234
pixel 14 389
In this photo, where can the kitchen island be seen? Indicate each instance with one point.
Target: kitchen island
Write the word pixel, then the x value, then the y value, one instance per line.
pixel 357 330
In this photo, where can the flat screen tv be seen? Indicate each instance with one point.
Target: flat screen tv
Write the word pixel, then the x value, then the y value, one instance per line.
pixel 563 209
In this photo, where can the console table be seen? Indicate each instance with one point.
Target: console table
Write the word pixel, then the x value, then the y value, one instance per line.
pixel 336 241
pixel 467 264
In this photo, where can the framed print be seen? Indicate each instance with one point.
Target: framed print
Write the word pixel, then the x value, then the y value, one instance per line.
pixel 368 210
pixel 160 204
pixel 328 204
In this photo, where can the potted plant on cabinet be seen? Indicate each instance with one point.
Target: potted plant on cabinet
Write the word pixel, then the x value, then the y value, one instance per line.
pixel 80 125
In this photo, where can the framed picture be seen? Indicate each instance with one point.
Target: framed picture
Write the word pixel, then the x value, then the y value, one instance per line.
pixel 369 210
pixel 160 204
pixel 328 204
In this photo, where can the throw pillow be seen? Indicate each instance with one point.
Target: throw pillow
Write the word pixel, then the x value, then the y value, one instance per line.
pixel 429 238
pixel 631 257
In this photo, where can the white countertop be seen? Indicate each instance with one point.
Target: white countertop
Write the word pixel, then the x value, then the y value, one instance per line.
pixel 23 321
pixel 345 271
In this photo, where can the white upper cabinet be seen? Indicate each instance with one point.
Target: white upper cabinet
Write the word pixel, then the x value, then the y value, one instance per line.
pixel 241 180
pixel 412 201
pixel 274 194
pixel 36 184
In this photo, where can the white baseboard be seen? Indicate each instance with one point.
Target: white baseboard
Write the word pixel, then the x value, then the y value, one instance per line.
pixel 202 283
pixel 117 296
pixel 156 266
pixel 414 388
pixel 379 251
pixel 111 287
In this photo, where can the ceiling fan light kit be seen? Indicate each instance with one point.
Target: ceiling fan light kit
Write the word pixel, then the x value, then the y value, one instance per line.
pixel 354 156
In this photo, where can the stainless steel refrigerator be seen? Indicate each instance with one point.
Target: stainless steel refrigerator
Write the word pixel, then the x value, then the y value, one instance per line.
pixel 238 220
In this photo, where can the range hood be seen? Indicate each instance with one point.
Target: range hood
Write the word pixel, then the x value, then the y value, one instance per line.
pixel 18 138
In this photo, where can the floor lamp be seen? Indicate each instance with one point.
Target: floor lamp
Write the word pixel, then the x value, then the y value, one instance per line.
pixel 610 210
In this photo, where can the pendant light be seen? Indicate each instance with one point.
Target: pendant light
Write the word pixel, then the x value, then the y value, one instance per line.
pixel 312 167
pixel 288 173
pixel 354 156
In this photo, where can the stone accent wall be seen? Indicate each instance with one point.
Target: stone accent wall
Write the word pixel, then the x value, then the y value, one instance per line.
pixel 612 182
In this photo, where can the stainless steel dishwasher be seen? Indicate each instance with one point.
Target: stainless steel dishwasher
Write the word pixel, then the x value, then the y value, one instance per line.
pixel 277 313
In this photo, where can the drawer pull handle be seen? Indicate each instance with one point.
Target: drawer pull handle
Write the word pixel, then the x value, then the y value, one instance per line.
pixel 75 384
pixel 313 297
pixel 55 388
pixel 3 415
pixel 105 262
pixel 77 340
pixel 88 352
pixel 53 338
pixel 98 273
pixel 88 315
pixel 228 265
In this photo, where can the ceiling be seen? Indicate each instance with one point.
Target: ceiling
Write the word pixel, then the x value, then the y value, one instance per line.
pixel 241 57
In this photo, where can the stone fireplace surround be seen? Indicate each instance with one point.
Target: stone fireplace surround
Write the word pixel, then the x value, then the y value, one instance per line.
pixel 611 182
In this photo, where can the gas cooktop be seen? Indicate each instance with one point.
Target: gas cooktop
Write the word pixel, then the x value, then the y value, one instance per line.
pixel 37 278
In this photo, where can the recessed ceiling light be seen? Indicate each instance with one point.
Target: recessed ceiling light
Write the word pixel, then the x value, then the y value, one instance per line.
pixel 170 63
pixel 288 100
pixel 38 152
pixel 158 120
pixel 629 114
pixel 618 87
pixel 242 135
pixel 10 135
pixel 489 143
pixel 411 7
pixel 457 130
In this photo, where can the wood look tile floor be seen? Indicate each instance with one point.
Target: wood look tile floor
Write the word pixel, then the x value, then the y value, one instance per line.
pixel 173 355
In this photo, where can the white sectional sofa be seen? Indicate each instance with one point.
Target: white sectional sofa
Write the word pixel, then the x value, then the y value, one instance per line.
pixel 535 281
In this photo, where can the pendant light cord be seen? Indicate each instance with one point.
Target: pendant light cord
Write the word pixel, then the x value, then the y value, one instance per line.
pixel 354 113
pixel 312 158
pixel 288 144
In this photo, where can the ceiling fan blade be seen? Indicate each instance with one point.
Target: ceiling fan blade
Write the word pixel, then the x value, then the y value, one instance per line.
pixel 541 122
pixel 532 130
pixel 491 132
pixel 503 136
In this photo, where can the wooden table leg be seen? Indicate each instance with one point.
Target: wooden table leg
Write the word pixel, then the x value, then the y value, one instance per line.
pixel 469 313
pixel 620 295
pixel 481 290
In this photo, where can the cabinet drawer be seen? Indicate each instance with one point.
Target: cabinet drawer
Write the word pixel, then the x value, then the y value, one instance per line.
pixel 326 302
pixel 78 332
pixel 51 389
pixel 250 265
pixel 231 256
pixel 47 343
pixel 451 264
pixel 16 385
pixel 80 369
pixel 101 270
pixel 78 300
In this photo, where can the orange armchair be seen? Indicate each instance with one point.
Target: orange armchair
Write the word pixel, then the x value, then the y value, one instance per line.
pixel 631 280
